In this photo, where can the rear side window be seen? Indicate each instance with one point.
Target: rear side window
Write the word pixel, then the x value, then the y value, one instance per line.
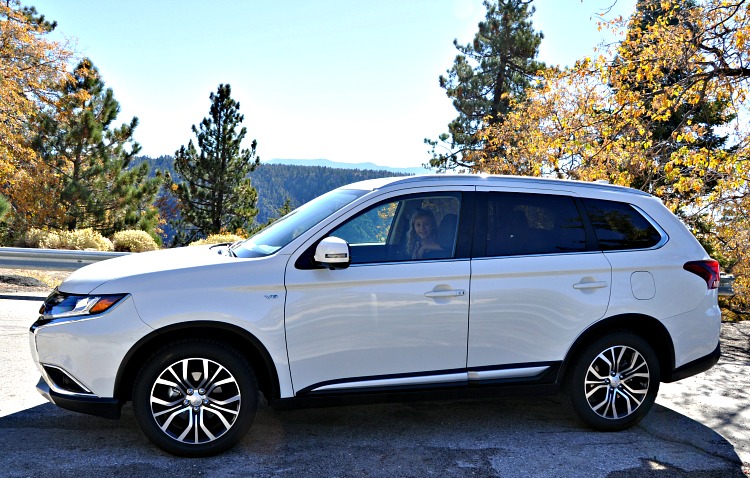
pixel 519 224
pixel 619 226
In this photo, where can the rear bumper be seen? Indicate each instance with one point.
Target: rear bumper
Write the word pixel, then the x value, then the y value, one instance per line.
pixel 91 405
pixel 695 367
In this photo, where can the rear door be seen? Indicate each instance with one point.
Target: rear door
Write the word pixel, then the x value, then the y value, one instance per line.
pixel 534 287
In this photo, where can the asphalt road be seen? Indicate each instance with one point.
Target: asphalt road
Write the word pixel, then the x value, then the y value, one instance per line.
pixel 699 428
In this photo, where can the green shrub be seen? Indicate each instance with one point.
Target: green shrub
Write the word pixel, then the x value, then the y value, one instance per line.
pixel 218 239
pixel 134 241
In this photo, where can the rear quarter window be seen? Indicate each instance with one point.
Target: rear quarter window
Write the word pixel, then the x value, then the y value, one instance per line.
pixel 620 226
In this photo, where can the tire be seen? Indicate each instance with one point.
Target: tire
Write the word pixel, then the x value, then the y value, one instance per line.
pixel 613 382
pixel 195 398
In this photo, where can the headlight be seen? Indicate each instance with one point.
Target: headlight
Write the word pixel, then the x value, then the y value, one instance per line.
pixel 59 305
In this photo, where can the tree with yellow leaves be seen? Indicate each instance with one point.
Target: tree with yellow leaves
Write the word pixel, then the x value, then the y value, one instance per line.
pixel 665 111
pixel 31 67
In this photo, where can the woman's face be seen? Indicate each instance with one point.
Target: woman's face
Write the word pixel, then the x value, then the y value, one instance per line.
pixel 423 227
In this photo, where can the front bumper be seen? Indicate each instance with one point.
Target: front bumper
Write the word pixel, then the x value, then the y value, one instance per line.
pixel 89 404
pixel 88 351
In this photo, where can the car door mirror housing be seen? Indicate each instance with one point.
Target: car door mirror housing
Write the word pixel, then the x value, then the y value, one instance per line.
pixel 333 252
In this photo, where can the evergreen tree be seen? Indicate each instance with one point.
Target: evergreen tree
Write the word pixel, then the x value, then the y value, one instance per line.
pixel 92 158
pixel 214 189
pixel 486 74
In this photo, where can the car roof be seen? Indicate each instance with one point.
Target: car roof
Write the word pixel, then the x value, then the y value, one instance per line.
pixel 489 180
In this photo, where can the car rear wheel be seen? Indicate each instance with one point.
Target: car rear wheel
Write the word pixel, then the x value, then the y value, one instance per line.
pixel 613 382
pixel 195 398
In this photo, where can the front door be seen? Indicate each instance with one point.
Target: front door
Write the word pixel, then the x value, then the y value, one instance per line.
pixel 398 316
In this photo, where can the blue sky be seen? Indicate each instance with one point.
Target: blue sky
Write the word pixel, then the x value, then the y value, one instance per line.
pixel 345 80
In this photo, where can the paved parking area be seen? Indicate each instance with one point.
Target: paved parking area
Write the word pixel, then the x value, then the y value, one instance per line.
pixel 700 428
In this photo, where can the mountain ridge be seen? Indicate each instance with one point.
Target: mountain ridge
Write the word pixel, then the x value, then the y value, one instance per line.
pixel 327 163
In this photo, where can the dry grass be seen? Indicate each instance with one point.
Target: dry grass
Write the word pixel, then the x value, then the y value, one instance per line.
pixel 26 280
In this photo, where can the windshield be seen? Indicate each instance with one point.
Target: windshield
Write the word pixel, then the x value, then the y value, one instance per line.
pixel 286 229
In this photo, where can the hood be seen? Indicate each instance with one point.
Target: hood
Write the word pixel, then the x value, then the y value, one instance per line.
pixel 86 279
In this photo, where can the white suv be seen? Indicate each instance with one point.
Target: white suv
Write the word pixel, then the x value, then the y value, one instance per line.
pixel 452 283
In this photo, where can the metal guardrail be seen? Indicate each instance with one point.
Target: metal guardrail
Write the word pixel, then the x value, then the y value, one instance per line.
pixel 51 259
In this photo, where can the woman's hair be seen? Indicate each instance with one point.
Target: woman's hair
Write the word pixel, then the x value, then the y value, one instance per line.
pixel 411 237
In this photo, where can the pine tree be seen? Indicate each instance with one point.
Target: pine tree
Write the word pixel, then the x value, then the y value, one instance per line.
pixel 214 189
pixel 486 74
pixel 91 158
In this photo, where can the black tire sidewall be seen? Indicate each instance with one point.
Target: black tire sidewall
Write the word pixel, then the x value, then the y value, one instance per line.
pixel 574 389
pixel 224 355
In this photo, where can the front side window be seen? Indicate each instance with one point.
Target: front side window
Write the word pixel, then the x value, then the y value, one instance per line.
pixel 413 227
pixel 521 224
pixel 619 226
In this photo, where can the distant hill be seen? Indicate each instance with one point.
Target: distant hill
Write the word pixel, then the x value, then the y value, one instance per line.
pixel 333 164
pixel 276 182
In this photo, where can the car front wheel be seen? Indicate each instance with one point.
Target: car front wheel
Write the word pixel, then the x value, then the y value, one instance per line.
pixel 613 382
pixel 195 398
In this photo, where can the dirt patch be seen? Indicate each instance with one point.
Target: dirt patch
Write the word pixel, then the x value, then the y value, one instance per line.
pixel 23 280
pixel 735 342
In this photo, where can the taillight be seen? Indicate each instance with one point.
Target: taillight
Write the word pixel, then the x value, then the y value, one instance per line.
pixel 707 270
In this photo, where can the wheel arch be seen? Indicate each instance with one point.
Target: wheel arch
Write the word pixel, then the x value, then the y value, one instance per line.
pixel 646 327
pixel 241 340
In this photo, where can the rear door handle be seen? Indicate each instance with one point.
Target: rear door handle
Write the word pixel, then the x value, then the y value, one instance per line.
pixel 590 285
pixel 436 294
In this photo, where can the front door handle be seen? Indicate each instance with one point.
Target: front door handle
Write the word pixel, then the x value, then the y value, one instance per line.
pixel 438 294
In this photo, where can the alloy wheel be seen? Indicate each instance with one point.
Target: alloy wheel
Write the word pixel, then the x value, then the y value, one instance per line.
pixel 617 382
pixel 195 400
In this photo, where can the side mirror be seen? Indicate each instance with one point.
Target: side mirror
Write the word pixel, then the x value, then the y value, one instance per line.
pixel 333 253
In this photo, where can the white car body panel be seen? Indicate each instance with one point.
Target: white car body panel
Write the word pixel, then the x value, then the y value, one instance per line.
pixel 696 332
pixel 137 266
pixel 381 323
pixel 526 309
pixel 196 284
pixel 107 338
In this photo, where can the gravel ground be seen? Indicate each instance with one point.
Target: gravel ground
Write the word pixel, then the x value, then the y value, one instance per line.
pixel 720 397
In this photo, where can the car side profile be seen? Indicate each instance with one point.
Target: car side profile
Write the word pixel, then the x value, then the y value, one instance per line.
pixel 462 284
